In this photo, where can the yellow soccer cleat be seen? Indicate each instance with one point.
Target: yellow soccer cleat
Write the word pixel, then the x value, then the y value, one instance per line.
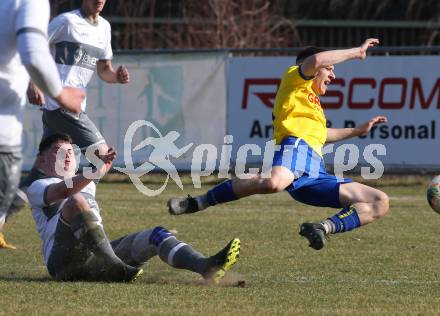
pixel 4 244
pixel 223 261
pixel 136 275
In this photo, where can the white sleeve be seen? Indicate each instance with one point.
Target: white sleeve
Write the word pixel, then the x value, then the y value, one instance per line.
pixel 36 193
pixel 31 30
pixel 108 52
pixel 32 15
pixel 57 27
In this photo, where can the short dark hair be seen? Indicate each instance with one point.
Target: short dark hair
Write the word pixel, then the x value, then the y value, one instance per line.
pixel 307 52
pixel 47 142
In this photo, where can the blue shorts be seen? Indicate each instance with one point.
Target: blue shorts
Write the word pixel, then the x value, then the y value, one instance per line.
pixel 312 184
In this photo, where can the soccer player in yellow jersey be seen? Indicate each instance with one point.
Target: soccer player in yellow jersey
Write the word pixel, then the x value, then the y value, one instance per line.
pixel 300 130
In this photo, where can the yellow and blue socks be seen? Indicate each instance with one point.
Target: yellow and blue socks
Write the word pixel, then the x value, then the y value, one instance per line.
pixel 221 193
pixel 347 219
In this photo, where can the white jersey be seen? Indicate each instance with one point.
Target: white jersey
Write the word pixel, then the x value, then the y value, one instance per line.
pixel 77 45
pixel 46 216
pixel 16 16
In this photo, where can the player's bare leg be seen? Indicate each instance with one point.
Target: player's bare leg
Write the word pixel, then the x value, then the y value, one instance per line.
pixel 280 178
pixel 370 203
pixel 234 189
pixel 361 205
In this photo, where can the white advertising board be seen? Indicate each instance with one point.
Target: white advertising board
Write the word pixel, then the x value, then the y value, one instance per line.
pixel 406 89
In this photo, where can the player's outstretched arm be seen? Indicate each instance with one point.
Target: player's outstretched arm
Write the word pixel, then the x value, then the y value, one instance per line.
pixel 332 57
pixel 337 134
pixel 109 75
pixel 69 98
pixel 62 190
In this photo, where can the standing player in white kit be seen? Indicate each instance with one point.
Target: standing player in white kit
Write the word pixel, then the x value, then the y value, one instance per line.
pixel 23 52
pixel 80 41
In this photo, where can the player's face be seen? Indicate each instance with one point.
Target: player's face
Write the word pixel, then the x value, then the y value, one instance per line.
pixel 59 160
pixel 323 79
pixel 93 6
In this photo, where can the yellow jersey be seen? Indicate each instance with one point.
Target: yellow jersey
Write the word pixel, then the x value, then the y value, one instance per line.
pixel 298 112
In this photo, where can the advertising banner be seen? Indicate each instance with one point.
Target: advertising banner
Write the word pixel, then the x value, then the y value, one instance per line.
pixel 183 93
pixel 406 89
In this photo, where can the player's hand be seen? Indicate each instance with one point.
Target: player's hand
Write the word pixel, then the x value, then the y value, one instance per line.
pixel 71 99
pixel 371 42
pixel 122 74
pixel 365 128
pixel 35 95
pixel 107 160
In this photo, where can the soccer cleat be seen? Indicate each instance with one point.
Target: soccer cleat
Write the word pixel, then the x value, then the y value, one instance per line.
pixel 314 233
pixel 121 272
pixel 222 261
pixel 4 244
pixel 179 206
pixel 133 274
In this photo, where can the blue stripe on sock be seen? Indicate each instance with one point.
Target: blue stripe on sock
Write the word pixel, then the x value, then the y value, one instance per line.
pixel 347 219
pixel 221 193
pixel 158 235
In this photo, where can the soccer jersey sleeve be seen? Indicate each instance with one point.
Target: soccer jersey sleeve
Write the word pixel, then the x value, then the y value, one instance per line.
pixel 108 52
pixel 294 77
pixel 36 193
pixel 31 32
pixel 32 16
pixel 56 28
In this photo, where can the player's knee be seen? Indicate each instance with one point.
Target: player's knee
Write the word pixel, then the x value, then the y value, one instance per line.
pixel 75 204
pixel 383 203
pixel 271 185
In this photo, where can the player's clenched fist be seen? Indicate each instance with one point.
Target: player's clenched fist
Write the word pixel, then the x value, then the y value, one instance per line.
pixel 122 74
pixel 370 42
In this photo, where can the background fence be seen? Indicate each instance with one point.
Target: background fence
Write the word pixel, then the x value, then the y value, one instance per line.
pixel 177 24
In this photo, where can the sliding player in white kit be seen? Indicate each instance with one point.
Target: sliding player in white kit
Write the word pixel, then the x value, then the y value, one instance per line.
pixel 75 246
pixel 80 41
pixel 23 52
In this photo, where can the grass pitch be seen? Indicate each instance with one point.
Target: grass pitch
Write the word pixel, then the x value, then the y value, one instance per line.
pixel 390 267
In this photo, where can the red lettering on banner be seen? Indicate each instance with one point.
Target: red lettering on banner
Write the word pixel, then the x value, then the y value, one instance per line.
pixel 392 105
pixel 360 81
pixel 335 93
pixel 420 93
pixel 417 89
pixel 267 98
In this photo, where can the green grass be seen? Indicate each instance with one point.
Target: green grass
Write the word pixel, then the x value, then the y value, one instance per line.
pixel 390 267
